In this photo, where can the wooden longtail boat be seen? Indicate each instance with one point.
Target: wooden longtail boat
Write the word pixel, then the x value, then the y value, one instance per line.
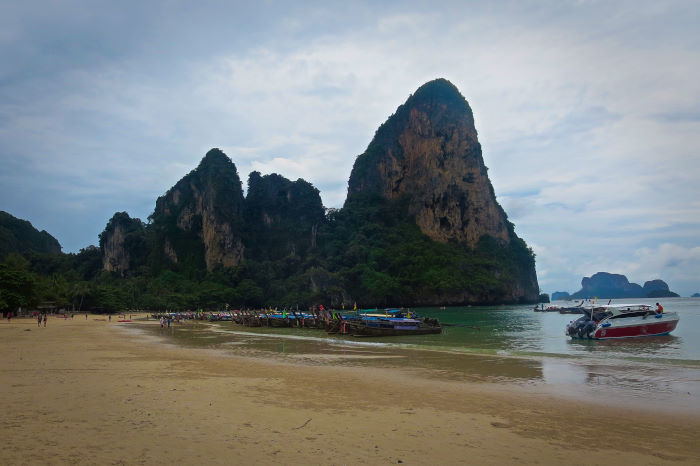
pixel 391 327
pixel 393 322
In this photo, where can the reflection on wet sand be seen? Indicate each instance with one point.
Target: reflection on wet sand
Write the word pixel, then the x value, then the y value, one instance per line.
pixel 646 384
pixel 318 349
pixel 639 347
pixel 651 386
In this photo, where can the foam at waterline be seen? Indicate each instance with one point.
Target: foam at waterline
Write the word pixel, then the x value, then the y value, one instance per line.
pixel 330 341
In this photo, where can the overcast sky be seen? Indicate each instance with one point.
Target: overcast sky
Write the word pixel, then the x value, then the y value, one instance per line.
pixel 588 112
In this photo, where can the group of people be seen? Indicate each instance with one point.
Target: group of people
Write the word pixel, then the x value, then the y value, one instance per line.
pixel 39 319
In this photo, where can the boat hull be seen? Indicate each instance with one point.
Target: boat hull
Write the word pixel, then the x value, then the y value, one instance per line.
pixel 361 330
pixel 644 328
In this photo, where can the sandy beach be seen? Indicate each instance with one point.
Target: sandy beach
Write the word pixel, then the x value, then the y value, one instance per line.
pixel 85 391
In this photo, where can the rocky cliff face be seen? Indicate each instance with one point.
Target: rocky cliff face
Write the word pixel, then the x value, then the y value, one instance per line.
pixel 282 216
pixel 421 225
pixel 115 257
pixel 426 160
pixel 428 152
pixel 204 207
pixel 122 243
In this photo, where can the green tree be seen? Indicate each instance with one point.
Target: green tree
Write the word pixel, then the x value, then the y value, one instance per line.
pixel 18 286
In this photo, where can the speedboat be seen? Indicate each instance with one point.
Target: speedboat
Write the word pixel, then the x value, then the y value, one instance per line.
pixel 622 321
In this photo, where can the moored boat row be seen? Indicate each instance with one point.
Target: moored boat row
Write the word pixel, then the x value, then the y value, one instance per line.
pixel 389 322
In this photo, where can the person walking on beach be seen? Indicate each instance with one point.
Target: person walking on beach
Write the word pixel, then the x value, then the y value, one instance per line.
pixel 38 320
pixel 46 317
pixel 110 317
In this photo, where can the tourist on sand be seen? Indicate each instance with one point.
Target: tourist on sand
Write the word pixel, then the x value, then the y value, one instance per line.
pixel 659 308
pixel 110 317
pixel 38 320
pixel 46 317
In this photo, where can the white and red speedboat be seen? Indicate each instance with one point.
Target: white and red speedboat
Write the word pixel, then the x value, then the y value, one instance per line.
pixel 622 321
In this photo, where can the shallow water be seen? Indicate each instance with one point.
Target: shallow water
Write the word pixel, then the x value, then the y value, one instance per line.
pixel 505 344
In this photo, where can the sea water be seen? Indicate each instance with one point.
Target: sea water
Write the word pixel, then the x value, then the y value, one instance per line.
pixel 502 344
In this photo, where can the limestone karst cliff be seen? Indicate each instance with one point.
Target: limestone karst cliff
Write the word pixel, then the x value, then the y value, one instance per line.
pixel 282 217
pixel 200 218
pixel 420 226
pixel 426 159
pixel 123 243
pixel 429 152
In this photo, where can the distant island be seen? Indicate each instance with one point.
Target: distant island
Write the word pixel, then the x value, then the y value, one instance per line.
pixel 695 295
pixel 606 285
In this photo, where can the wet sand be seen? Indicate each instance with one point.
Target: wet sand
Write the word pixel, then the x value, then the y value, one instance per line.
pixel 87 392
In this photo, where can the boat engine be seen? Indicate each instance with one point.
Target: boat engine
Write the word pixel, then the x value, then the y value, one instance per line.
pixel 580 328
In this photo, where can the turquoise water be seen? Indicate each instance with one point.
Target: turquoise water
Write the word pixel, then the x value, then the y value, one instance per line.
pixel 517 330
pixel 511 344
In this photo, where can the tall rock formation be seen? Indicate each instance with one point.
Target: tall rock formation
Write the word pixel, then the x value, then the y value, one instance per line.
pixel 199 220
pixel 421 224
pixel 282 217
pixel 123 243
pixel 426 159
pixel 428 151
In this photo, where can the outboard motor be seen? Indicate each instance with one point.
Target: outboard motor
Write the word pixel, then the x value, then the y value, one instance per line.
pixel 586 329
pixel 580 328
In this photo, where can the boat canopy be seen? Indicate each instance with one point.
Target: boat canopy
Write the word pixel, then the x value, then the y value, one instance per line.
pixel 618 309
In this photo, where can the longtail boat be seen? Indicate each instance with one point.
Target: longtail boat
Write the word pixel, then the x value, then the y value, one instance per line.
pixel 392 322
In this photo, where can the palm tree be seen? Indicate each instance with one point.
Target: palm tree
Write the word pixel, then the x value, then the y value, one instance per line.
pixel 80 289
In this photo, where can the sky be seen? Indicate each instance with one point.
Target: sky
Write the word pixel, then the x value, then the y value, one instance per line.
pixel 588 112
